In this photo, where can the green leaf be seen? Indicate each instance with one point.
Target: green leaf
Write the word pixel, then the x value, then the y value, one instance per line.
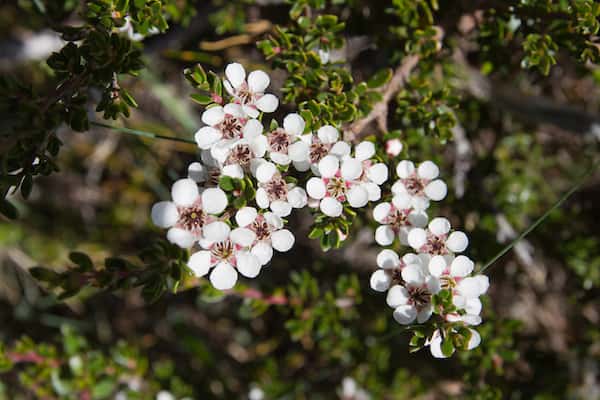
pixel 201 98
pixel 380 78
pixel 81 259
pixel 226 183
pixel 447 347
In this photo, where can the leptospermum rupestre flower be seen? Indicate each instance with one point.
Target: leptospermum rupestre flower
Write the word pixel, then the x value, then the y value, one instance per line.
pixel 437 238
pixel 412 300
pixel 397 218
pixel 435 343
pixel 250 93
pixel 324 142
pixel 227 252
pixel 285 145
pixel 275 193
pixel 390 269
pixel 269 232
pixel 190 212
pixel 420 183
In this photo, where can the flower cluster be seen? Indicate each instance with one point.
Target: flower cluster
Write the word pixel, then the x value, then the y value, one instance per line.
pixel 230 209
pixel 432 279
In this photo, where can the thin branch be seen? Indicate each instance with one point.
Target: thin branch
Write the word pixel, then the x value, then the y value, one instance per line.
pixel 380 109
pixel 541 219
pixel 142 133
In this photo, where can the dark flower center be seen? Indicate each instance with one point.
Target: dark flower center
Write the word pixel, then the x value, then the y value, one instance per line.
pixel 419 296
pixel 240 154
pixel 276 188
pixel 192 218
pixel 414 185
pixel 435 245
pixel 261 228
pixel 279 141
pixel 336 187
pixel 318 151
pixel 231 127
pixel 398 218
pixel 223 250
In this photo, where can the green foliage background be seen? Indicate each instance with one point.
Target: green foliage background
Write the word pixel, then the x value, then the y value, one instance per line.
pixel 516 82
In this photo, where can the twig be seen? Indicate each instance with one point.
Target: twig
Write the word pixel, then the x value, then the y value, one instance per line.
pixel 142 133
pixel 380 109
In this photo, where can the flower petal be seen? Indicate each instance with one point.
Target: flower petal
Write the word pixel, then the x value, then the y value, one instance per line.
pixel 181 237
pixel 293 124
pixel 262 198
pixel 413 275
pixel 265 172
pixel 223 276
pixel 351 169
pixel 364 150
pixel 258 81
pixel 316 188
pixel 380 281
pixel 263 251
pixel 417 237
pixel 199 263
pixel 217 231
pixel 331 207
pixel 297 197
pixel 388 259
pixel 281 208
pixel 328 134
pixel 436 190
pixel 207 136
pixel 439 226
pixel 340 150
pixel 457 242
pixel 328 166
pixel 405 314
pixel 213 115
pixel 428 170
pixel 252 129
pixel 384 235
pixel 242 236
pixel 378 173
pixel 381 212
pixel 197 172
pixel 164 214
pixel 397 296
pixel 214 200
pixel 267 103
pixel 248 264
pixel 245 216
pixel 405 168
pixel 236 74
pixel 437 265
pixel 299 151
pixel 282 240
pixel 184 192
pixel 461 266
pixel 357 196
pixel 475 340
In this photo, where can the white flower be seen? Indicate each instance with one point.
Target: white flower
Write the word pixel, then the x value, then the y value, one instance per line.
pixel 256 393
pixel 275 193
pixel 205 173
pixel 390 269
pixel 249 94
pixel 412 300
pixel 164 395
pixel 437 239
pixel 324 142
pixel 435 343
pixel 351 390
pixel 337 184
pixel 285 145
pixel 133 35
pixel 420 183
pixel 397 218
pixel 228 251
pixel 189 212
pixel 393 147
pixel 226 124
pixel 269 232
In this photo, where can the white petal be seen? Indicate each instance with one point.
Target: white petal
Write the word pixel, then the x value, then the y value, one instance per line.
pixel 214 200
pixel 428 170
pixel 213 116
pixel 259 146
pixel 358 196
pixel 297 197
pixel 380 281
pixel 384 235
pixel 263 251
pixel 469 319
pixel 181 237
pixel 245 216
pixel 164 214
pixel 281 208
pixel 381 212
pixel 267 103
pixel 331 207
pixel 418 219
pixel 351 169
pixel 234 110
pixel 393 147
pixel 233 171
pixel 388 259
pixel 413 275
pixel 252 129
pixel 436 190
pixel 236 74
pixel 207 136
pixel 184 192
pixel 299 151
pixel 328 134
pixel 475 340
pixel 248 264
pixel 437 265
pixel 469 287
pixel 329 166
pixel 461 266
pixel 293 124
pixel 378 173
pixel 302 166
pixel 412 258
pixel 197 172
pixel 424 314
pixel 250 110
pixel 399 188
pixel 405 314
pixel 435 346
pixel 473 306
pixel 405 168
pixel 373 190
pixel 364 150
pixel 273 220
pixel 265 172
pixel 397 296
pixel 280 158
pixel 282 240
pixel 420 203
pixel 417 237
pixel 316 188
pixel 199 262
pixel 262 198
pixel 457 242
pixel 223 276
pixel 340 150
pixel 258 81
pixel 217 231
pixel 402 201
pixel 439 226
pixel 242 236
pixel 484 283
